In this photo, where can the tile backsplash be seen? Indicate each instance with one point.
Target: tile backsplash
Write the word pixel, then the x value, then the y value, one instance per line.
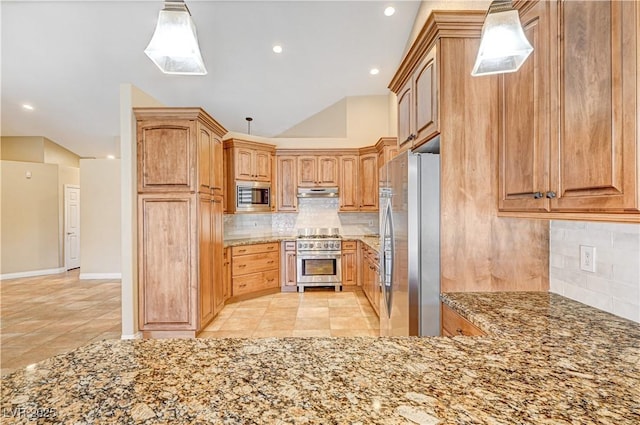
pixel 311 213
pixel 615 284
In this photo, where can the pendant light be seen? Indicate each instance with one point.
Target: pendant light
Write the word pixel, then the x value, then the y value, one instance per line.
pixel 503 46
pixel 174 45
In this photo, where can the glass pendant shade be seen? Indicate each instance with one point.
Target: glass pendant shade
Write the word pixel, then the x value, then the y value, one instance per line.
pixel 503 46
pixel 174 45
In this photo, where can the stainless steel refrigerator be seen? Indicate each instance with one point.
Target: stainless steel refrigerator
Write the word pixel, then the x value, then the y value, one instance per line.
pixel 410 243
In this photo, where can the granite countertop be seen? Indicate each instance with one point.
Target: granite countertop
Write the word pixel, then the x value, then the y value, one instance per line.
pixel 545 360
pixel 371 240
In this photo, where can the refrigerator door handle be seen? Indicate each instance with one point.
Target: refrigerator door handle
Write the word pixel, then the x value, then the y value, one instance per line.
pixel 386 265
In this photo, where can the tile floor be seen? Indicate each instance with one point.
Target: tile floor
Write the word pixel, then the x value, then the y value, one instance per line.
pixel 317 312
pixel 48 315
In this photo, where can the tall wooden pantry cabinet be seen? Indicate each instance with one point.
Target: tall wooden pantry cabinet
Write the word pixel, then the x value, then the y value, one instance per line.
pixel 180 234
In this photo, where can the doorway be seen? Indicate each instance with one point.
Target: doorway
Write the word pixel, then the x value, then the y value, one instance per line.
pixel 71 226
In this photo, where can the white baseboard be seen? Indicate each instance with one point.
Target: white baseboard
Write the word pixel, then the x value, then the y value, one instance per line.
pixel 137 335
pixel 87 276
pixel 32 273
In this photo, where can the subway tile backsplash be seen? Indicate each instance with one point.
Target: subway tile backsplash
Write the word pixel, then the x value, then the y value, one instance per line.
pixel 311 213
pixel 615 284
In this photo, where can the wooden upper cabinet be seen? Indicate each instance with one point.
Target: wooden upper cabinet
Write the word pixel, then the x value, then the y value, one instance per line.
pixel 177 150
pixel 418 104
pixel 252 164
pixel 349 183
pixel 369 178
pixel 568 117
pixel 596 166
pixel 286 196
pixel 317 170
pixel 524 120
pixel 425 89
pixel 405 117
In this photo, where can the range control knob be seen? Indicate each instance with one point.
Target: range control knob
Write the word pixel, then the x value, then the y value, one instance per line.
pixel 326 245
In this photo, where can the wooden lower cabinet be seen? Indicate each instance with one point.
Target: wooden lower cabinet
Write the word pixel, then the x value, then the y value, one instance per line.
pixel 289 266
pixel 454 324
pixel 226 287
pixel 349 263
pixel 179 251
pixel 254 268
pixel 370 276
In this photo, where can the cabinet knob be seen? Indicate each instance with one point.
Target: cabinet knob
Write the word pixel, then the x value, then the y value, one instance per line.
pixel 459 331
pixel 537 195
pixel 551 195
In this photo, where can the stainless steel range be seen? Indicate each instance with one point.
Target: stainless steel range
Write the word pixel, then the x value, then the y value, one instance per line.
pixel 319 258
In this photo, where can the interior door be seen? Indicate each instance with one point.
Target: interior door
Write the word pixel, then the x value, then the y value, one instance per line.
pixel 72 226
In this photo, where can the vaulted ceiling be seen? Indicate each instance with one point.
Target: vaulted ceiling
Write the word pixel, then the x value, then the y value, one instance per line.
pixel 68 58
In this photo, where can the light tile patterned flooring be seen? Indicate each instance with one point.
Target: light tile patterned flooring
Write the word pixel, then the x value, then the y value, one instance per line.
pixel 44 316
pixel 48 315
pixel 316 312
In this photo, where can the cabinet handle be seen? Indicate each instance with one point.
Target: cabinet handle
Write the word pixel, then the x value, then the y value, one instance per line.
pixel 242 265
pixel 459 331
pixel 241 250
pixel 270 262
pixel 270 280
pixel 551 195
pixel 537 195
pixel 269 248
pixel 243 285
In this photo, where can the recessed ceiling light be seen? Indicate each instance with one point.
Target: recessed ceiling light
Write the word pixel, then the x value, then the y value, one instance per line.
pixel 111 157
pixel 277 48
pixel 374 71
pixel 389 11
pixel 27 107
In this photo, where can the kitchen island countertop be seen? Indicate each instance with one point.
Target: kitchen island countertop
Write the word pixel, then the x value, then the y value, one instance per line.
pixel 546 359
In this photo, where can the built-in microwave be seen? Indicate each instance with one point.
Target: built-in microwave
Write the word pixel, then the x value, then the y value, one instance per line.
pixel 253 196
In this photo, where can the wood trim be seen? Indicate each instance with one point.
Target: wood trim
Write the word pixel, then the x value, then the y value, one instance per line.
pixel 311 152
pixel 584 216
pixel 164 113
pixel 440 24
pixel 239 143
pixel 367 150
pixel 386 141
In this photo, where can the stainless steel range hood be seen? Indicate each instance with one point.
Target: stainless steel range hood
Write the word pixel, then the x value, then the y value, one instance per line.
pixel 317 192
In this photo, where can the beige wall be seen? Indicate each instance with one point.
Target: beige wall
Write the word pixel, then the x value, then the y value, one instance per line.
pixel 365 119
pixel 56 154
pixel 100 218
pixel 30 218
pixel 28 149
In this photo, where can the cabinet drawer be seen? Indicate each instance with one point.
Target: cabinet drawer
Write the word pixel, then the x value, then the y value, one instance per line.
pixel 290 246
pixel 255 282
pixel 349 245
pixel 254 249
pixel 252 263
pixel 453 324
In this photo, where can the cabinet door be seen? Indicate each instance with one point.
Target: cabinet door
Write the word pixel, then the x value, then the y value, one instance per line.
pixel 167 279
pixel 166 156
pixel 327 171
pixel 425 91
pixel 597 151
pixel 205 159
pixel 217 167
pixel 217 252
pixel 262 171
pixel 348 183
pixel 226 288
pixel 369 182
pixel 405 119
pixel 524 121
pixel 205 261
pixel 349 268
pixel 290 277
pixel 286 195
pixel 307 171
pixel 244 164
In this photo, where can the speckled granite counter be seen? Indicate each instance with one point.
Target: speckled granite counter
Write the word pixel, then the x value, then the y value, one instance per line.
pixel 547 360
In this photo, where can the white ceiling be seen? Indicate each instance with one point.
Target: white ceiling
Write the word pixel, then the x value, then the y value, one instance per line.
pixel 68 58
